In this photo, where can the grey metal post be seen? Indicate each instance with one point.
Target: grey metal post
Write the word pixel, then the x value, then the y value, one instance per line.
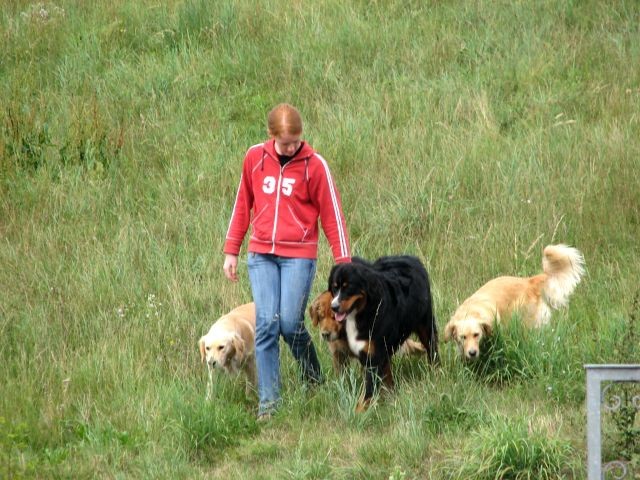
pixel 596 374
pixel 594 447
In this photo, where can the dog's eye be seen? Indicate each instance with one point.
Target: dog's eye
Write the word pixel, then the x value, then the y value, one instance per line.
pixel 476 335
pixel 207 348
pixel 220 347
pixel 463 337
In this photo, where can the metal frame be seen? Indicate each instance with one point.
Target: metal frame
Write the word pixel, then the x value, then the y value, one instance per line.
pixel 596 374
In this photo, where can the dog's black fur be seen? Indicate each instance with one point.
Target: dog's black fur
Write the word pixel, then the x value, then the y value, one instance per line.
pixel 391 299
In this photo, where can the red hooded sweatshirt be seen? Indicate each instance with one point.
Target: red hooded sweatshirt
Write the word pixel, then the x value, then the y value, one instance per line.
pixel 282 205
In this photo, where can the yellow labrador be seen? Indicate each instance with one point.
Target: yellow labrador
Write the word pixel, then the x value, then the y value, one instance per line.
pixel 532 297
pixel 230 345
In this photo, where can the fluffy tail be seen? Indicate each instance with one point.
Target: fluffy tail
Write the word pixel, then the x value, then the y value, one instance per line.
pixel 411 347
pixel 564 267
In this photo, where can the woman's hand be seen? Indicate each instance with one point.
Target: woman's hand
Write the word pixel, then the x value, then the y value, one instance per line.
pixel 231 267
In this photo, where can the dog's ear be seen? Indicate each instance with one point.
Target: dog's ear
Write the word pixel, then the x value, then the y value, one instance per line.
pixel 238 344
pixel 227 352
pixel 313 314
pixel 449 331
pixel 487 328
pixel 203 353
pixel 320 307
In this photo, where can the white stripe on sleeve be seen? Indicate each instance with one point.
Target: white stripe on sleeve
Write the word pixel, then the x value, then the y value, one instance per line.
pixel 336 207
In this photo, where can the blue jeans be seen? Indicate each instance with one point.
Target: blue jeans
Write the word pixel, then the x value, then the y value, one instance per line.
pixel 280 288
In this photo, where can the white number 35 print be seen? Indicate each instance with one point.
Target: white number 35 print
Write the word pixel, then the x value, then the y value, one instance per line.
pixel 269 185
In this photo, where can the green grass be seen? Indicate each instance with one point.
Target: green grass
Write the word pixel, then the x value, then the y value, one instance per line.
pixel 516 449
pixel 470 134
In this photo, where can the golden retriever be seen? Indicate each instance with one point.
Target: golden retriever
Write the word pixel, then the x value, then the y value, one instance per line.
pixel 533 298
pixel 230 345
pixel 334 333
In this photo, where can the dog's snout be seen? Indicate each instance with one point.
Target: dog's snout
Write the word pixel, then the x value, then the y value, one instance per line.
pixel 335 304
pixel 325 335
pixel 472 353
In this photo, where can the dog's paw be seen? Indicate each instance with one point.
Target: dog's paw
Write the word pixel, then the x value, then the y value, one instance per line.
pixel 363 405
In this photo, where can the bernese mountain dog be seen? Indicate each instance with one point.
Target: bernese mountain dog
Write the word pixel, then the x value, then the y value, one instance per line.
pixel 382 303
pixel 335 335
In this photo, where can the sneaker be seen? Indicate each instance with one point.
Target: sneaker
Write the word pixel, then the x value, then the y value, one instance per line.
pixel 264 417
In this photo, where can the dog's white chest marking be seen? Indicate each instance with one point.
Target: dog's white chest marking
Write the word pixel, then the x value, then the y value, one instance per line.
pixel 354 344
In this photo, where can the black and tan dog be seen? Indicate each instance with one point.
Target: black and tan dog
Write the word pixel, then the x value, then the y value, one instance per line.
pixel 335 333
pixel 381 304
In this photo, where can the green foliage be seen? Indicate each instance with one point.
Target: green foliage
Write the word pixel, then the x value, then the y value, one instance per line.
pixel 507 355
pixel 206 428
pixel 515 449
pixel 348 391
pixel 458 410
pixel 627 445
pixel 14 438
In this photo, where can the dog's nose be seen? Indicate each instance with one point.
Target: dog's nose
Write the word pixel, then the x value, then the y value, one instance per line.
pixel 325 335
pixel 473 353
pixel 335 307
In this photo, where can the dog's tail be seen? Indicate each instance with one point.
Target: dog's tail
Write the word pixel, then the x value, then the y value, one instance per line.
pixel 564 267
pixel 411 347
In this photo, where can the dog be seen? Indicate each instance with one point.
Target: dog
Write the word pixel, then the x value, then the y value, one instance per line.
pixel 335 334
pixel 381 304
pixel 533 298
pixel 230 346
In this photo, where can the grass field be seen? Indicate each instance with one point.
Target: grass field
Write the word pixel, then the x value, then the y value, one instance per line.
pixel 470 134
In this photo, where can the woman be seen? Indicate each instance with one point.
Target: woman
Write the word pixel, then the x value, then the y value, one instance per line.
pixel 284 188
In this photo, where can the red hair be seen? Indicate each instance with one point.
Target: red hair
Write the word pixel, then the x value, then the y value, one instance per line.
pixel 284 119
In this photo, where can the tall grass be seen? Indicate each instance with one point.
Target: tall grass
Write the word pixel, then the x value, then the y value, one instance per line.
pixel 469 134
pixel 517 449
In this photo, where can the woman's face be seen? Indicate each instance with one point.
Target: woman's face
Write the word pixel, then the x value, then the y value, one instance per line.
pixel 287 144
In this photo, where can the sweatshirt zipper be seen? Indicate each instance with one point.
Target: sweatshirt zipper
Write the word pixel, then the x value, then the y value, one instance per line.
pixel 275 218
